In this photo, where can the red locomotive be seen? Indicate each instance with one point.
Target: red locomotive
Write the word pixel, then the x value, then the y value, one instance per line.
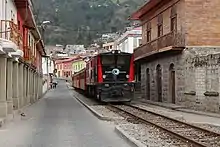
pixel 109 77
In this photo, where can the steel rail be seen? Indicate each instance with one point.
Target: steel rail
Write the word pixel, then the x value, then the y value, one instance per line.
pixel 178 135
pixel 175 120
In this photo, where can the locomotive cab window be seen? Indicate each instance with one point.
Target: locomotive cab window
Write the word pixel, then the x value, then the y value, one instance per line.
pixel 120 62
pixel 108 60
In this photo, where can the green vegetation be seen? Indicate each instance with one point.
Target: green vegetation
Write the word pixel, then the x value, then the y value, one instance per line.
pixel 80 21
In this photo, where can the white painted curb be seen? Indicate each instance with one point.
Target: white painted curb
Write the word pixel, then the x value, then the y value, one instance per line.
pixel 100 116
pixel 129 138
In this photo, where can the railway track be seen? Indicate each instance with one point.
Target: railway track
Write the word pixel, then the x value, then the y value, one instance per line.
pixel 190 134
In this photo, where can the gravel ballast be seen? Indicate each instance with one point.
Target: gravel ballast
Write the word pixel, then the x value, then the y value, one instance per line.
pixel 151 136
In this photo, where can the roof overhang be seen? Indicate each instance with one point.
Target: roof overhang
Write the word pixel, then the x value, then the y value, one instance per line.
pixel 40 47
pixel 144 9
pixel 25 11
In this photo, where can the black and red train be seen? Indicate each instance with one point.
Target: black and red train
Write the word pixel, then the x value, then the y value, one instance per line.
pixel 109 77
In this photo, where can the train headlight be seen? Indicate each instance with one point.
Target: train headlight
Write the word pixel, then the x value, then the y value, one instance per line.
pixel 119 51
pixel 113 52
pixel 127 76
pixel 106 85
pixel 104 76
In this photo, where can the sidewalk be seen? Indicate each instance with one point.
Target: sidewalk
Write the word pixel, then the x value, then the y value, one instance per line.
pixel 180 112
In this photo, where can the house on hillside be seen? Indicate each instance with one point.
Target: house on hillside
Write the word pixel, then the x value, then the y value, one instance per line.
pixel 74 49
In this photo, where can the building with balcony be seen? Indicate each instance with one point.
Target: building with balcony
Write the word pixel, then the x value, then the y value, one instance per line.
pixel 130 40
pixel 178 59
pixel 21 48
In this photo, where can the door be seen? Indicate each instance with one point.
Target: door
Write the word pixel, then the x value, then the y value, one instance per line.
pixel 148 84
pixel 159 83
pixel 172 84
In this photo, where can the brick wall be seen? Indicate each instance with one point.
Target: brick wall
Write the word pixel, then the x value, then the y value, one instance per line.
pixel 197 20
pixel 202 22
pixel 165 10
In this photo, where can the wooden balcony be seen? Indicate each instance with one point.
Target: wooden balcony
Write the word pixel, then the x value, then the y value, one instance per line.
pixel 9 30
pixel 168 42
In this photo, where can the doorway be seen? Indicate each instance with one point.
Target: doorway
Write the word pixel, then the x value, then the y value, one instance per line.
pixel 159 83
pixel 172 84
pixel 148 83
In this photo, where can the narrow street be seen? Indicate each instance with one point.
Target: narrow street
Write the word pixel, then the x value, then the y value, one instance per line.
pixel 58 120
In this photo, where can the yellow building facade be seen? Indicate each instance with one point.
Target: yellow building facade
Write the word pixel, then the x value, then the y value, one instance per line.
pixel 78 65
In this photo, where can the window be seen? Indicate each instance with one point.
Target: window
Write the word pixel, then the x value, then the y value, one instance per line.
pixel 19 25
pixel 29 40
pixel 135 42
pixel 173 24
pixel 149 32
pixel 173 21
pixel 160 26
pixel 11 15
pixel 160 30
pixel 148 36
pixel 139 42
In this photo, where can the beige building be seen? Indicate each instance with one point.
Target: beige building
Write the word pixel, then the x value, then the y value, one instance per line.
pixel 109 46
pixel 179 57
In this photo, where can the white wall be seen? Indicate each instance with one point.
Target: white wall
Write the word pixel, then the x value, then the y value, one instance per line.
pixel 129 44
pixel 44 65
pixel 8 11
pixel 45 88
pixel 50 65
pixel 129 40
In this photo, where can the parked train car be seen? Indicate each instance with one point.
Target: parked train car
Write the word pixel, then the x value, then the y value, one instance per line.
pixel 109 77
pixel 78 80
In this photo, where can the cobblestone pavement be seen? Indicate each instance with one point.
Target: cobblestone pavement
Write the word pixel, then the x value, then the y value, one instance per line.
pixel 58 120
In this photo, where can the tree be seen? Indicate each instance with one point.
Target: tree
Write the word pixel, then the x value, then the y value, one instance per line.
pixel 99 15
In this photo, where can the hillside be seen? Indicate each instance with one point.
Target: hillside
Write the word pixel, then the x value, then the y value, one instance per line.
pixel 80 21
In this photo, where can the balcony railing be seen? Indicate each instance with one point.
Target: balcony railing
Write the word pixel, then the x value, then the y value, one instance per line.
pixel 171 39
pixel 9 30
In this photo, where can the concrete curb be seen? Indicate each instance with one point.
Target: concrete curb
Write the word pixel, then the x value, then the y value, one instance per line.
pixel 100 116
pixel 128 137
pixel 181 109
pixel 198 113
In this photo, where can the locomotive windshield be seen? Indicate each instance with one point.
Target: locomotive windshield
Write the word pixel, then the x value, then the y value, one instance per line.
pixel 108 60
pixel 115 67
